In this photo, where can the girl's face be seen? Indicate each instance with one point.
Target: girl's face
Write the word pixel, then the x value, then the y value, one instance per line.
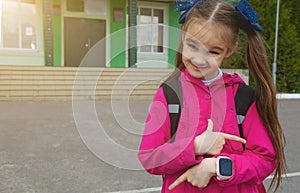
pixel 204 50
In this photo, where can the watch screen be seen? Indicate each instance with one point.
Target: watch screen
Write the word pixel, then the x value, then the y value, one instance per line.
pixel 225 167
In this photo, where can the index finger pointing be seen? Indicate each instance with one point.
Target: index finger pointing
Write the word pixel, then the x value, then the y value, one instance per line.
pixel 234 138
pixel 179 180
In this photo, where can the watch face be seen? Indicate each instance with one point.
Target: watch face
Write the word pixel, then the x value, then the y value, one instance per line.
pixel 225 167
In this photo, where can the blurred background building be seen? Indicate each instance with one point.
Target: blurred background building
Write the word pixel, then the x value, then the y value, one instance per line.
pixel 61 32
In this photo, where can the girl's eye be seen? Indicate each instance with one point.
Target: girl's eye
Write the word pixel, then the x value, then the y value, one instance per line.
pixel 214 53
pixel 192 46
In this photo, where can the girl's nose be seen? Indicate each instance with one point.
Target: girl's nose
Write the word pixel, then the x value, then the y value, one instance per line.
pixel 198 60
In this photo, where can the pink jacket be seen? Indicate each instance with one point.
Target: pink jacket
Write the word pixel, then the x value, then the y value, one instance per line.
pixel 251 166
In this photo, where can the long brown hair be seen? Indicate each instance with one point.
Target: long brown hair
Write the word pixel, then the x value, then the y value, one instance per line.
pixel 230 22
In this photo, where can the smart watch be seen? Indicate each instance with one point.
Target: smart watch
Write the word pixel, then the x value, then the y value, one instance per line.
pixel 224 168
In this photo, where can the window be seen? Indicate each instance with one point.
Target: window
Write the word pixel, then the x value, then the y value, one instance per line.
pixel 75 5
pixel 90 7
pixel 18 24
pixel 150 31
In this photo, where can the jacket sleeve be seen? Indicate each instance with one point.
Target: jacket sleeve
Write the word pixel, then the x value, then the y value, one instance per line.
pixel 156 154
pixel 258 160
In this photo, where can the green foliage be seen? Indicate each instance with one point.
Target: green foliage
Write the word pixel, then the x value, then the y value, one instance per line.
pixel 288 60
pixel 295 13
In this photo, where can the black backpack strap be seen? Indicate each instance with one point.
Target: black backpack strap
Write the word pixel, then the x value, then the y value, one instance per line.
pixel 243 99
pixel 173 94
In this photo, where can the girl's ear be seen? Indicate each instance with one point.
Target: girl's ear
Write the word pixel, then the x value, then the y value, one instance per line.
pixel 231 50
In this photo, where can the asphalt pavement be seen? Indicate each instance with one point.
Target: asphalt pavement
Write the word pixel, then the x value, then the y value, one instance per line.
pixel 48 147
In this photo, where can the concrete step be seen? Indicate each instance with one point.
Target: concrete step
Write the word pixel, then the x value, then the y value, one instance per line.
pixel 63 83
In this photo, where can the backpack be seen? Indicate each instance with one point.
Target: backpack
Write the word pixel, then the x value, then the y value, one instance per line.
pixel 173 94
pixel 243 99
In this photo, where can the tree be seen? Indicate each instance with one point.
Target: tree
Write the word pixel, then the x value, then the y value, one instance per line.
pixel 295 16
pixel 288 61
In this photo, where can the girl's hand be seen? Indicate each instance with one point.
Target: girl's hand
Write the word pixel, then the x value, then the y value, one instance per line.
pixel 211 143
pixel 199 175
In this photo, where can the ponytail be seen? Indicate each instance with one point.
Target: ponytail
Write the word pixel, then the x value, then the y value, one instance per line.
pixel 266 103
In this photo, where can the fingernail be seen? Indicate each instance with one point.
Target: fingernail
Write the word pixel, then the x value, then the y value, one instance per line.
pixel 170 188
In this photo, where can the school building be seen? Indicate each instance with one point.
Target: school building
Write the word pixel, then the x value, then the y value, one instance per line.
pixel 62 32
pixel 44 42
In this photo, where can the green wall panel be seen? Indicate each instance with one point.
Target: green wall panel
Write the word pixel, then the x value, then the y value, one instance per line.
pixel 117 35
pixel 173 35
pixel 57 42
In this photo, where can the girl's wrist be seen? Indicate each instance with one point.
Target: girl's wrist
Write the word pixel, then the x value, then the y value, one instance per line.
pixel 197 147
pixel 211 166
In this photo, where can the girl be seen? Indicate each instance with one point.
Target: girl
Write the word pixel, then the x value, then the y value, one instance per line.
pixel 207 155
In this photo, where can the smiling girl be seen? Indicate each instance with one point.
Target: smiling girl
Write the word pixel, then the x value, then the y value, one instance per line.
pixel 207 154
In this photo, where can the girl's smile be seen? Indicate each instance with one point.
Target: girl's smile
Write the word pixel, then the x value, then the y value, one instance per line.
pixel 199 68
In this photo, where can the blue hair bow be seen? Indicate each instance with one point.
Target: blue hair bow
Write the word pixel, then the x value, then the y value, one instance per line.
pixel 242 6
pixel 248 13
pixel 185 6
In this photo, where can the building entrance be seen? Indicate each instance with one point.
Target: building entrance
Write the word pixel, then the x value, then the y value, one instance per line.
pixel 80 35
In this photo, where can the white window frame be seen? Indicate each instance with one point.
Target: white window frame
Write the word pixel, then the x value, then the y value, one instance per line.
pixel 152 23
pixel 154 59
pixel 20 31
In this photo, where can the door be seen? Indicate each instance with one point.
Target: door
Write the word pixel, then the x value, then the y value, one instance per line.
pixel 80 35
